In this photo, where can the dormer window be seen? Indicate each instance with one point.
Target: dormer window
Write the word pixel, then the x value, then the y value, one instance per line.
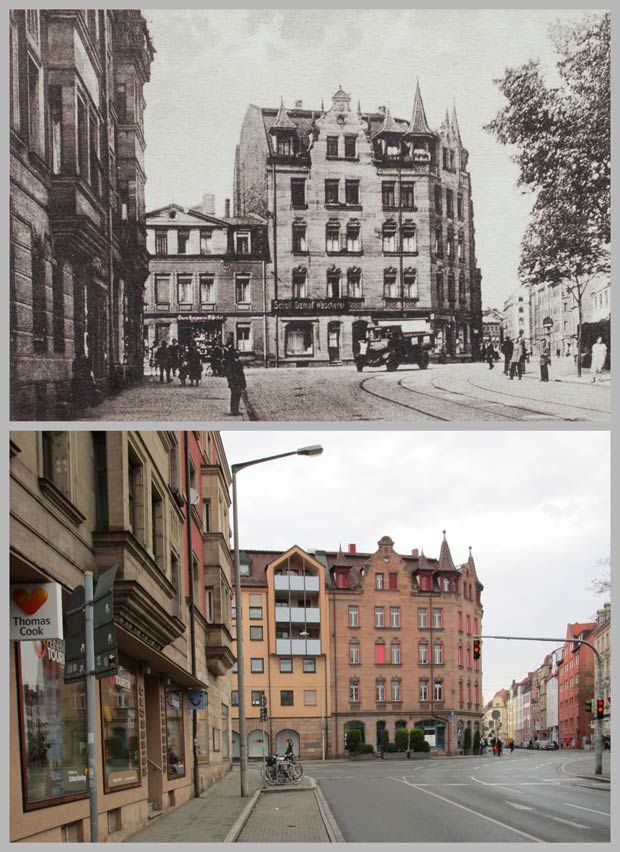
pixel 242 242
pixel 244 569
pixel 392 151
pixel 285 146
pixel 342 579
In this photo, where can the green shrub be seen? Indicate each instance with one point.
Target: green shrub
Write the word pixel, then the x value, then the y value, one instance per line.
pixel 391 748
pixel 426 746
pixel 467 741
pixel 477 742
pixel 384 739
pixel 354 739
pixel 401 739
pixel 365 748
pixel 416 740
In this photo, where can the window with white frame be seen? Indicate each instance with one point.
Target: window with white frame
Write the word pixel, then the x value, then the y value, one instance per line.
pixel 242 242
pixel 446 584
pixel 354 653
pixel 353 238
pixel 209 610
pixel 409 238
pixel 438 690
pixel 184 289
pixel 422 617
pixel 380 690
pixel 389 237
pixel 395 654
pixel 410 284
pixel 354 616
pixel 300 277
pixel 207 289
pixel 354 692
pixel 242 288
pixel 395 616
pixel 379 616
pixel 206 240
pixel 390 284
pixel 438 653
pixel 244 343
pixel 354 283
pixel 423 653
pixel 396 691
pixel 379 581
pixel 332 237
pixel 423 690
pixel 438 617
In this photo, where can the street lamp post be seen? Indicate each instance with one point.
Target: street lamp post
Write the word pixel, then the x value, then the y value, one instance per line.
pixel 314 450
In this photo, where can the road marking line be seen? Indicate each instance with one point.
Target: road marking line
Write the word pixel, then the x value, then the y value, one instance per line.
pixel 581 808
pixel 519 806
pixel 565 821
pixel 495 784
pixel 470 810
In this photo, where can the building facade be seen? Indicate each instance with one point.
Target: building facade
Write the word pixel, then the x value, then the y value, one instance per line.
pixel 78 251
pixel 576 686
pixel 88 501
pixel 602 643
pixel 492 327
pixel 495 719
pixel 287 641
pixel 516 315
pixel 371 220
pixel 207 279
pixel 396 636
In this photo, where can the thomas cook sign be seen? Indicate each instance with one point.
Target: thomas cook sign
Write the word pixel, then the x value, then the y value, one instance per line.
pixel 36 611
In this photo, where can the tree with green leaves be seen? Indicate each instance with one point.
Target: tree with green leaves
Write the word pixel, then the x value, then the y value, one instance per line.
pixel 562 139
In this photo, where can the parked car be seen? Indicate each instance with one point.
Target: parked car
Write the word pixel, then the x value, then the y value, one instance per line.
pixel 542 745
pixel 552 745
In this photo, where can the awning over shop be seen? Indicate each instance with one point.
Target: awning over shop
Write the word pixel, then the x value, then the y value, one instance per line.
pixel 140 651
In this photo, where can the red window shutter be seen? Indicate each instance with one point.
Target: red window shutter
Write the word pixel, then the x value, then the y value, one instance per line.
pixel 393 581
pixel 379 653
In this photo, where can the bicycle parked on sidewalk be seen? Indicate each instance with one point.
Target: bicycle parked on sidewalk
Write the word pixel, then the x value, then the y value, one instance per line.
pixel 278 769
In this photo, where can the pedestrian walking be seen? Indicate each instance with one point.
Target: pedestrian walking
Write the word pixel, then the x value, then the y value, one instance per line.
pixel 599 356
pixel 512 746
pixel 360 361
pixel 216 359
pixel 489 354
pixel 500 745
pixel 517 359
pixel 544 360
pixel 162 359
pixel 194 364
pixel 507 349
pixel 173 356
pixel 235 378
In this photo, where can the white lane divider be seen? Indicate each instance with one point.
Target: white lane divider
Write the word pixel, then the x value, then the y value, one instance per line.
pixel 419 787
pixel 581 808
pixel 521 807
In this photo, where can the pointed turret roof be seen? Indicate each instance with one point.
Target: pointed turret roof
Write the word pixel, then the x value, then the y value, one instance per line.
pixel 424 564
pixel 419 124
pixel 341 562
pixel 389 125
pixel 282 120
pixel 445 557
pixel 455 125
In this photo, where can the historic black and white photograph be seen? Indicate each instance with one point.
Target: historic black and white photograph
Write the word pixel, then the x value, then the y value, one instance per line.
pixel 310 215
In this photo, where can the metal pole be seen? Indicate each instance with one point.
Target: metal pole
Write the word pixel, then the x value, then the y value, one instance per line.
pixel 243 769
pixel 192 616
pixel 598 754
pixel 91 718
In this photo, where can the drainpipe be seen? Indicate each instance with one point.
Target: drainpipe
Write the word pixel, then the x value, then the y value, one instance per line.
pixel 265 350
pixel 192 625
pixel 337 748
pixel 275 253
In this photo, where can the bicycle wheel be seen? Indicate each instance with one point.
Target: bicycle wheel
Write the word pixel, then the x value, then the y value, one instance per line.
pixel 269 775
pixel 295 772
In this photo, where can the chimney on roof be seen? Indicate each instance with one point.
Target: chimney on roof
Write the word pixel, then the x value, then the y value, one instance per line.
pixel 208 204
pixel 227 208
pixel 381 109
pixel 415 552
pixel 299 104
pixel 352 548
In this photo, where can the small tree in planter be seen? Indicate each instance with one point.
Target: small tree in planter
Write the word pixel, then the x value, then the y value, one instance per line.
pixel 416 740
pixel 391 748
pixel 354 739
pixel 467 741
pixel 385 739
pixel 401 739
pixel 477 742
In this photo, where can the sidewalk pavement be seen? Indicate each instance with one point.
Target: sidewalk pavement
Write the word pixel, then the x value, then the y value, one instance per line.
pixel 581 764
pixel 274 814
pixel 565 370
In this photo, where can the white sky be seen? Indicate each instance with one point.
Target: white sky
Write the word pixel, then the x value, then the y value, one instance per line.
pixel 210 64
pixel 534 506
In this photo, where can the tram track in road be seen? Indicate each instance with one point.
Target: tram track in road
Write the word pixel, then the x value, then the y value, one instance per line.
pixel 362 386
pixel 521 396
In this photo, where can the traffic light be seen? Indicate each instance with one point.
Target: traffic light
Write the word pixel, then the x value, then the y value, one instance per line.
pixel 588 706
pixel 477 645
pixel 600 708
pixel 263 714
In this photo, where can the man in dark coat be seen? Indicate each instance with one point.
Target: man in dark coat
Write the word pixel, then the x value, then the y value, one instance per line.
pixel 173 356
pixel 162 359
pixel 236 379
pixel 489 353
pixel 507 348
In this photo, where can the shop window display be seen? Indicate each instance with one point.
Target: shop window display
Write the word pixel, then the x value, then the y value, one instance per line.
pixel 121 749
pixel 53 726
pixel 175 740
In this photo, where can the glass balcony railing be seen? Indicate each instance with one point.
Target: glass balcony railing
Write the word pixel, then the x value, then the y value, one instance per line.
pixel 284 582
pixel 298 614
pixel 301 647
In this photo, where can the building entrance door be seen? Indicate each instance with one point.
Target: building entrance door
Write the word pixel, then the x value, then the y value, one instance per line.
pixel 333 342
pixel 154 712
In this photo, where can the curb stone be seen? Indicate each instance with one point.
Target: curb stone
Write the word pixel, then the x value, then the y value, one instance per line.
pixel 331 826
pixel 237 828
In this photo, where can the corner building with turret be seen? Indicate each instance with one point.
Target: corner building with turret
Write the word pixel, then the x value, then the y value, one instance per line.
pixel 370 220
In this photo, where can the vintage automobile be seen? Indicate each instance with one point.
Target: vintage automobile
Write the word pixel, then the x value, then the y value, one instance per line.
pixel 409 342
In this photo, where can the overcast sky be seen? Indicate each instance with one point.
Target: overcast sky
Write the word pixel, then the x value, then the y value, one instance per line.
pixel 210 64
pixel 534 506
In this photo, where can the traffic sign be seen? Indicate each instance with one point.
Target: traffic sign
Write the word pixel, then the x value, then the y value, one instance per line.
pixel 75 637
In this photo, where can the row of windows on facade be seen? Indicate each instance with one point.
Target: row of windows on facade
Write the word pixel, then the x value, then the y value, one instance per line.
pixel 288 146
pixel 338 286
pixel 396 691
pixel 394 196
pixel 395 657
pixel 198 241
pixel 75 117
pixel 348 240
pixel 425 583
pixel 423 620
pixel 257 665
pixel 287 697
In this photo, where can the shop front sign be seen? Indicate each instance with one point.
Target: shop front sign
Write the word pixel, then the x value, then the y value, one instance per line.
pixel 36 611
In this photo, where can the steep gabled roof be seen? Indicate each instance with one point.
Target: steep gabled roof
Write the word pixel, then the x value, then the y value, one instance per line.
pixel 282 120
pixel 389 125
pixel 424 564
pixel 455 126
pixel 445 557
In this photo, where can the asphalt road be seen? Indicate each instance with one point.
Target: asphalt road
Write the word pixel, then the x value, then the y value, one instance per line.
pixel 443 392
pixel 526 797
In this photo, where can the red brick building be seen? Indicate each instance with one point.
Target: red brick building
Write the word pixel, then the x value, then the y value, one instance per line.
pixel 576 678
pixel 395 647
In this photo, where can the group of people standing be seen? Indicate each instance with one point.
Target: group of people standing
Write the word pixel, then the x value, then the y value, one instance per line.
pixel 172 359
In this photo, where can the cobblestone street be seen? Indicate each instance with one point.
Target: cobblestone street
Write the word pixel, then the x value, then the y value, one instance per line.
pixel 449 392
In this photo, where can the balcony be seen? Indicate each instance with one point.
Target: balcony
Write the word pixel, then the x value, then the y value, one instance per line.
pixel 298 615
pixel 220 657
pixel 299 647
pixel 294 583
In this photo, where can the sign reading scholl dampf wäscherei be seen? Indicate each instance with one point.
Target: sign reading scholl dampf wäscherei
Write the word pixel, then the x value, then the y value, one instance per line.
pixel 36 611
